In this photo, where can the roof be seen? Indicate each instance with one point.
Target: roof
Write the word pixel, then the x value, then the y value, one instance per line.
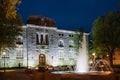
pixel 41 20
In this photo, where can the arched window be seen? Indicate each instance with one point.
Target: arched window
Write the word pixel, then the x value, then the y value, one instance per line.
pixel 19 40
pixel 61 43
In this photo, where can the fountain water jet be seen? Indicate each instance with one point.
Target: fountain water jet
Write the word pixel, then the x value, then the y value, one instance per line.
pixel 82 60
pixel 101 65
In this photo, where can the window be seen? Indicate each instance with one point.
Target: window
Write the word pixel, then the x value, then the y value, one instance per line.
pixel 41 39
pixel 32 38
pixel 61 34
pixel 60 43
pixel 70 35
pixel 61 54
pixel 71 44
pixel 71 54
pixel 46 37
pixel 37 39
pixel 19 53
pixel 19 40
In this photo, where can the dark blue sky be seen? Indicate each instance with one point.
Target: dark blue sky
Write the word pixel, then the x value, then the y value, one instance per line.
pixel 69 14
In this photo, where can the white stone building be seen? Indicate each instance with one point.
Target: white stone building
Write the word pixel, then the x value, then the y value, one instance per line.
pixel 41 45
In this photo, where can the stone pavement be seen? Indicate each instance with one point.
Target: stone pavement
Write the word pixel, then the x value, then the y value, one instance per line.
pixel 15 75
pixel 20 74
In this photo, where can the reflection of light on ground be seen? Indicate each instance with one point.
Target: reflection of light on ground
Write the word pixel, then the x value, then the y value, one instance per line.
pixel 7 70
pixel 12 70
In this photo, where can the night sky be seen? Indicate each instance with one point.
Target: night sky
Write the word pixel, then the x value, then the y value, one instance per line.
pixel 68 14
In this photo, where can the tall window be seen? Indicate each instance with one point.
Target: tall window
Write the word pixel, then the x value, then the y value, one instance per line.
pixel 19 53
pixel 46 37
pixel 37 38
pixel 61 54
pixel 41 39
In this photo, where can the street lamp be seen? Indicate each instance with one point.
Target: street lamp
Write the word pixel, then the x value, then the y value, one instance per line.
pixel 4 54
pixel 94 56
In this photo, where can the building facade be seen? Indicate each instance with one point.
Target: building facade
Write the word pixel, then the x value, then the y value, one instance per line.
pixel 41 44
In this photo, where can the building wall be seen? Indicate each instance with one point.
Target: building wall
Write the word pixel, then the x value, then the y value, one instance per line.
pixel 55 54
pixel 57 48
pixel 55 44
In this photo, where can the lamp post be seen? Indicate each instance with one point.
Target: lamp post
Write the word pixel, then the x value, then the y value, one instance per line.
pixel 94 56
pixel 4 54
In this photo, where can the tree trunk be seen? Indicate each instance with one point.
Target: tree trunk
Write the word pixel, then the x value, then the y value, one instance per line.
pixel 111 59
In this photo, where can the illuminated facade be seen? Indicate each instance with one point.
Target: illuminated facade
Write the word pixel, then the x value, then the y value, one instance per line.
pixel 50 45
pixel 41 45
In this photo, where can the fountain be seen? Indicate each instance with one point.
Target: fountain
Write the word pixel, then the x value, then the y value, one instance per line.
pixel 82 60
pixel 101 65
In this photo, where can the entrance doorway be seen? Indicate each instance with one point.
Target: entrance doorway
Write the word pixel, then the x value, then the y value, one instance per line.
pixel 42 60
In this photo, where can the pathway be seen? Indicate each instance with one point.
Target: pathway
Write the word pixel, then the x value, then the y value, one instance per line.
pixel 15 75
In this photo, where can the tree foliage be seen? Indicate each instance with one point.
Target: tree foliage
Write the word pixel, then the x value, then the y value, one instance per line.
pixel 10 23
pixel 9 8
pixel 106 33
pixel 78 39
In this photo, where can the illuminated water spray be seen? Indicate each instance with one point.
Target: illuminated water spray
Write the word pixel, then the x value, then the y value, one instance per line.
pixel 82 61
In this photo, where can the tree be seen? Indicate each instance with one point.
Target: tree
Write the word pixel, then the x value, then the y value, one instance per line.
pixel 105 33
pixel 78 39
pixel 10 23
pixel 9 8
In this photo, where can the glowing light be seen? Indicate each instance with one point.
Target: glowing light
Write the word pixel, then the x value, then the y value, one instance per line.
pixel 107 55
pixel 4 53
pixel 93 54
pixel 36 68
pixel 91 62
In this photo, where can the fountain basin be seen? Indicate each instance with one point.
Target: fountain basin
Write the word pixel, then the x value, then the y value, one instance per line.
pixel 67 75
pixel 83 73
